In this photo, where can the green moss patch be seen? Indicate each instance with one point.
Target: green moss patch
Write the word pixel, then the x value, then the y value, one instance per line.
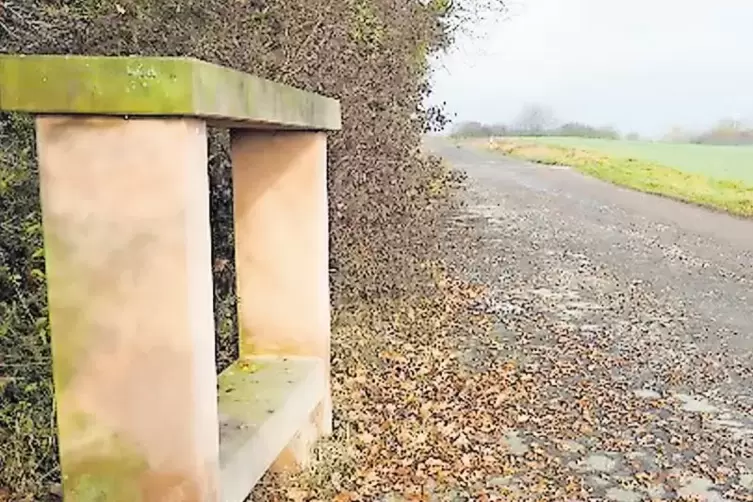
pixel 156 86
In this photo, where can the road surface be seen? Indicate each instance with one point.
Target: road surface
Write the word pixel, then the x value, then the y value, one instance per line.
pixel 617 292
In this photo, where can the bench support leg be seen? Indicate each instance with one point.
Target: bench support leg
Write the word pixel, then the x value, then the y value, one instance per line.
pixel 281 241
pixel 126 224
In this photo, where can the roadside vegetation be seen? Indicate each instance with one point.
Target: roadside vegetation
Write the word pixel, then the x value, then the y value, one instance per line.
pixel 694 174
pixel 721 162
pixel 385 196
pixel 711 168
pixel 535 120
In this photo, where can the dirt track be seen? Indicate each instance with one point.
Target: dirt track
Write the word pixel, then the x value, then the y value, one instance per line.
pixel 662 289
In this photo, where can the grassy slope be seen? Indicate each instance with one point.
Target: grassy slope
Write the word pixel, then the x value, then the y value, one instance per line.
pixel 721 162
pixel 728 195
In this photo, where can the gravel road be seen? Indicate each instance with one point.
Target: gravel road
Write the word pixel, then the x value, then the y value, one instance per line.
pixel 627 301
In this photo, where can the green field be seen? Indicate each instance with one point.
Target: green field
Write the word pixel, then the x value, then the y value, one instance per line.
pixel 720 162
pixel 712 176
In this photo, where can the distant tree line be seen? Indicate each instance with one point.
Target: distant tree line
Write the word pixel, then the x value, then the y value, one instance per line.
pixel 535 120
pixel 725 132
pixel 538 120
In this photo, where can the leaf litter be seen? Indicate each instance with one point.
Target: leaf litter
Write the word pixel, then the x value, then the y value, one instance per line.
pixel 514 389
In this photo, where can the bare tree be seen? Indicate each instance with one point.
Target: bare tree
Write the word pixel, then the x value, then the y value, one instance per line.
pixel 535 119
pixel 678 134
pixel 463 17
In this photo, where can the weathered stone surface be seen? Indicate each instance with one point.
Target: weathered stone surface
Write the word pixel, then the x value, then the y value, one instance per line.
pixel 623 495
pixel 516 444
pixel 282 246
pixel 158 86
pixel 128 256
pixel 696 404
pixel 264 404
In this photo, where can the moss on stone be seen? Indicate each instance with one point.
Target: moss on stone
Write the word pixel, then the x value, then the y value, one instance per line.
pixel 251 389
pixel 106 479
pixel 158 86
pixel 245 341
pixel 107 469
pixel 67 285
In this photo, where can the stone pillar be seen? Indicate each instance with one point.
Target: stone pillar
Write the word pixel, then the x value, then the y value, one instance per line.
pixel 126 225
pixel 282 247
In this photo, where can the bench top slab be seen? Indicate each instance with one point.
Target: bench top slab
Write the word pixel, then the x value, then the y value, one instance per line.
pixel 159 86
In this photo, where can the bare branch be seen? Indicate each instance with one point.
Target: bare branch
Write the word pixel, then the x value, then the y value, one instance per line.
pixel 7 30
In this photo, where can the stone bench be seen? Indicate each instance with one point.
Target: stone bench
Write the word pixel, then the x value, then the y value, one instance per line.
pixel 122 147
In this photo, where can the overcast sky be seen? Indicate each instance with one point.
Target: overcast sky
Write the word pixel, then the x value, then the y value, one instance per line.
pixel 640 65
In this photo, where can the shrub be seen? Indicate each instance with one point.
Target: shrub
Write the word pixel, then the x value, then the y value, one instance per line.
pixel 370 54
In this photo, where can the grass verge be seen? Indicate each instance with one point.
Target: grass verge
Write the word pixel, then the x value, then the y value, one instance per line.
pixel 732 196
